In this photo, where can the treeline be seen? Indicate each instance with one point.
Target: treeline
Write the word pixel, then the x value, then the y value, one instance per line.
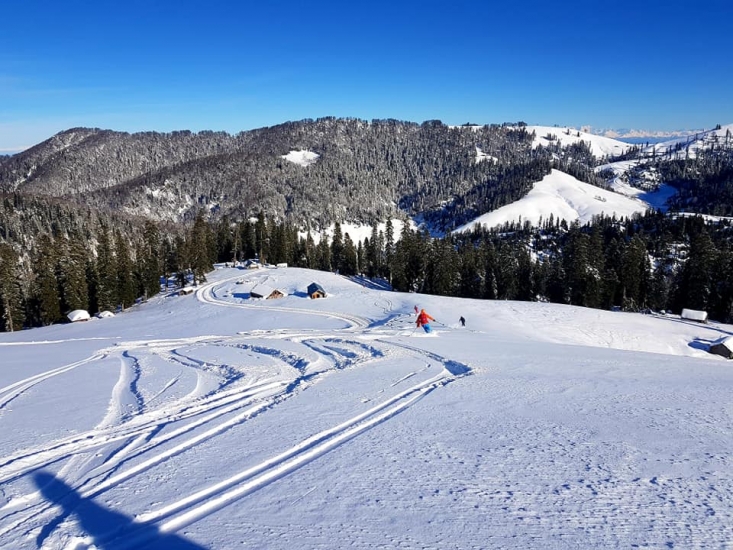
pixel 704 182
pixel 652 262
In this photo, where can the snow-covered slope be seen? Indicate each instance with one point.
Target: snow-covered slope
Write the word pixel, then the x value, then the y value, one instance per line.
pixel 688 146
pixel 218 421
pixel 599 145
pixel 563 197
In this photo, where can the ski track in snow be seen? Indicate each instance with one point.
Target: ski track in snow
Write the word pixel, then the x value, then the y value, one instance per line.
pixel 153 430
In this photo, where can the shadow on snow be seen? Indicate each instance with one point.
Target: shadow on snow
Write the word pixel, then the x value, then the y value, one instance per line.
pixel 109 530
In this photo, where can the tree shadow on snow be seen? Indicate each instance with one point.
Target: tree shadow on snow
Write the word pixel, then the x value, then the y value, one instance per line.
pixel 109 530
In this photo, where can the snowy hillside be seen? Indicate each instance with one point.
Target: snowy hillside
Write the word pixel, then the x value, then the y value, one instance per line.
pixel 600 146
pixel 218 421
pixel 563 197
pixel 688 146
pixel 648 186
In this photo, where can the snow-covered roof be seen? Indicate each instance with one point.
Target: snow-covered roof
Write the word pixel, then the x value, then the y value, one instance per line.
pixel 263 290
pixel 694 315
pixel 78 315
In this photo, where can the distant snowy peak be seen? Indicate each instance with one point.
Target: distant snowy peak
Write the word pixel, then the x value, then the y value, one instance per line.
pixel 302 158
pixel 600 146
pixel 565 198
pixel 626 133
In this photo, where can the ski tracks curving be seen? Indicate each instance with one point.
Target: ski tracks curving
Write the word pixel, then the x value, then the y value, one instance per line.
pixel 154 430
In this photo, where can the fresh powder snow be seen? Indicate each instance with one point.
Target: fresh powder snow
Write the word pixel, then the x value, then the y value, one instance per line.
pixel 216 421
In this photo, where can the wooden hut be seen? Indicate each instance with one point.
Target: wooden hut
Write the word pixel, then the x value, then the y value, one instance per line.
pixel 266 292
pixel 723 346
pixel 695 315
pixel 78 315
pixel 316 291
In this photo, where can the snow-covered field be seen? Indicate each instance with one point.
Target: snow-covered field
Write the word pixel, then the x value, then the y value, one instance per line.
pixel 218 421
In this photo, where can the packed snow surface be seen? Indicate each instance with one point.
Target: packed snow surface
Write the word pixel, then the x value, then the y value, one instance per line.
pixel 565 198
pixel 217 421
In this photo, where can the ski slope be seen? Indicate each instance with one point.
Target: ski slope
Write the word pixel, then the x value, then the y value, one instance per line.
pixel 219 421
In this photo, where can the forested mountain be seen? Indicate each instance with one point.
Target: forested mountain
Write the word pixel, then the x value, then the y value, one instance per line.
pixel 90 219
pixel 364 171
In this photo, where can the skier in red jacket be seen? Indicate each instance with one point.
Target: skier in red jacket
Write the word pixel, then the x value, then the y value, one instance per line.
pixel 423 320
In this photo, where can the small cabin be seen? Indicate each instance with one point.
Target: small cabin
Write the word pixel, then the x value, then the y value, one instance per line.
pixel 266 292
pixel 316 291
pixel 78 315
pixel 104 315
pixel 694 315
pixel 723 347
pixel 185 291
pixel 281 265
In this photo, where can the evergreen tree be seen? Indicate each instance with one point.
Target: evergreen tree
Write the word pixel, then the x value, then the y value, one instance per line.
pixel 697 273
pixel 635 275
pixel 442 274
pixel 107 288
pixel 151 253
pixel 261 238
pixel 71 274
pixel 46 306
pixel 506 272
pixel 349 258
pixel 92 277
pixel 12 307
pixel 488 253
pixel 199 249
pixel 471 275
pixel 183 262
pixel 337 248
pixel 389 246
pixel 525 275
pixel 249 242
pixel 323 254
pixel 225 241
pixel 310 251
pixel 125 277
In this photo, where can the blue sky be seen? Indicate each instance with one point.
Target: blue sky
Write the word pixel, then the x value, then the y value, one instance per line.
pixel 235 66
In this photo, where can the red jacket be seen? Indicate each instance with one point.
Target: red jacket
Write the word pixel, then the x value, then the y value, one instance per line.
pixel 423 318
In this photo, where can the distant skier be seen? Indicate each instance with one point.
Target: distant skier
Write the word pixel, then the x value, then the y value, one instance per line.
pixel 463 321
pixel 423 320
pixel 417 311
